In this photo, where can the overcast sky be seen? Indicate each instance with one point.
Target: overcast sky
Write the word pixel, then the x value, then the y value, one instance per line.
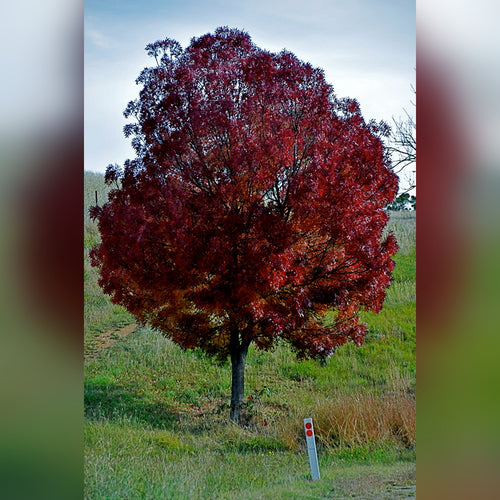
pixel 365 47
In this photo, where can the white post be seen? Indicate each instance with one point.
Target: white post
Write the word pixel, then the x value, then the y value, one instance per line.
pixel 311 448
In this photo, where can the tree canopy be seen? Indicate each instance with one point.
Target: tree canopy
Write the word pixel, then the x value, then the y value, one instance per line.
pixel 255 203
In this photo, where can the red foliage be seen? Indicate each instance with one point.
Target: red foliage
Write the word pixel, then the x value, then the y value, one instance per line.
pixel 255 204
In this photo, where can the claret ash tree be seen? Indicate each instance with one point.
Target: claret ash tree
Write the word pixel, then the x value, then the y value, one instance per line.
pixel 255 204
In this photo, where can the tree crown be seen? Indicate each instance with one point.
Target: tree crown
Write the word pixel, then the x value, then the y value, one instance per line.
pixel 255 203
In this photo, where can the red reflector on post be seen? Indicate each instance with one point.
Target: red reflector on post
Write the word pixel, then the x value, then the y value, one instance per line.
pixel 311 448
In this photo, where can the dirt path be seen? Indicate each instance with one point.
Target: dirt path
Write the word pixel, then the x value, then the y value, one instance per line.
pixel 110 337
pixel 399 491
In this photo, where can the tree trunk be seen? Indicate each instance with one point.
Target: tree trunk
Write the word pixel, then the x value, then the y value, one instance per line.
pixel 238 356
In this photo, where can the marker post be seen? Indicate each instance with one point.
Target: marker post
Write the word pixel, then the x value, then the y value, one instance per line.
pixel 311 448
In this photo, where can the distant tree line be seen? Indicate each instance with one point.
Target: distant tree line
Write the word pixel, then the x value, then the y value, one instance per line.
pixel 404 201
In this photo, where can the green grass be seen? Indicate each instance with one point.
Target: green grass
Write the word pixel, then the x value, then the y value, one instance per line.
pixel 156 417
pixel 128 461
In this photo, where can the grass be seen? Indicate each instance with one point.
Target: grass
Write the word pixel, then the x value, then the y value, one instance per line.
pixel 152 464
pixel 156 417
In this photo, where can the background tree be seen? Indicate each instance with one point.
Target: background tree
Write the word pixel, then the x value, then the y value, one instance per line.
pixel 253 207
pixel 404 201
pixel 403 146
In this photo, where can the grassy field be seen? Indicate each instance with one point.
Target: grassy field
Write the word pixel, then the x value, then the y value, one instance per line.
pixel 156 417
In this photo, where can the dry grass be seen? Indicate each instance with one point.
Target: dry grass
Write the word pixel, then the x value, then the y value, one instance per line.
pixel 403 224
pixel 363 419
pixel 366 418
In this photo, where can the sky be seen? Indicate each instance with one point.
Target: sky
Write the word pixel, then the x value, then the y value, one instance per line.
pixel 365 47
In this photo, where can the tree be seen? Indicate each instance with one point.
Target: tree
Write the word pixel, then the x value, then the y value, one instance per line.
pixel 254 206
pixel 403 145
pixel 404 201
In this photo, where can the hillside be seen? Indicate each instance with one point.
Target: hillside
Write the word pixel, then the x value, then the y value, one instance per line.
pixel 156 417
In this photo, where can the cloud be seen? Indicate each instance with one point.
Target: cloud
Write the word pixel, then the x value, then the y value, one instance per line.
pixel 98 39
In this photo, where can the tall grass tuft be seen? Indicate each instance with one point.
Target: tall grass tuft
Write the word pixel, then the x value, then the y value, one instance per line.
pixel 358 417
pixel 366 419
